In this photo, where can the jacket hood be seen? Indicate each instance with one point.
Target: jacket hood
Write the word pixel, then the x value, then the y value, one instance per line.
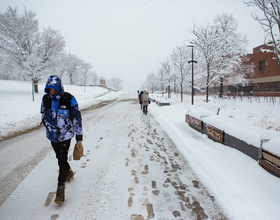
pixel 54 82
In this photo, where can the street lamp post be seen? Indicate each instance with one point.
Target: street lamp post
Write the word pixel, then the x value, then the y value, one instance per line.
pixel 192 61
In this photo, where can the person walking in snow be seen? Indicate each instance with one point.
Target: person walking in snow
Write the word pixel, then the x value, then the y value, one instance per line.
pixel 62 118
pixel 140 100
pixel 145 101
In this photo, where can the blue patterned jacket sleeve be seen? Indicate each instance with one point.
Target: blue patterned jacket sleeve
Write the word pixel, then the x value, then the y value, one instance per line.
pixel 77 119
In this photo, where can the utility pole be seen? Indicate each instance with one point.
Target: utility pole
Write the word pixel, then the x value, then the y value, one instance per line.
pixel 192 61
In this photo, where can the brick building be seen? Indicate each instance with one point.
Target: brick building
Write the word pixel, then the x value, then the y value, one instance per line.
pixel 264 80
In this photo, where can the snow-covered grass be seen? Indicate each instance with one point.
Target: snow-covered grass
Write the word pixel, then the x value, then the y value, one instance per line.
pixel 19 112
pixel 244 189
pixel 262 112
pixel 248 119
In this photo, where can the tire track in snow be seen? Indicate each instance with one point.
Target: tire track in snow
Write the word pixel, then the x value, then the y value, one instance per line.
pixel 10 182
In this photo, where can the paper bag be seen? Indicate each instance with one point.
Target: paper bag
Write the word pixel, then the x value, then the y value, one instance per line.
pixel 78 151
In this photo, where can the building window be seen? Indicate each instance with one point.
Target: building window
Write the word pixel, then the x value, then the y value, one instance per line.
pixel 262 65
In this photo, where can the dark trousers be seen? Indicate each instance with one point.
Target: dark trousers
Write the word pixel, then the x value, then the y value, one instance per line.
pixel 61 151
pixel 145 108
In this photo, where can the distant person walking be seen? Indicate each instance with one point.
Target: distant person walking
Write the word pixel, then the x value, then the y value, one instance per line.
pixel 145 101
pixel 140 100
pixel 62 118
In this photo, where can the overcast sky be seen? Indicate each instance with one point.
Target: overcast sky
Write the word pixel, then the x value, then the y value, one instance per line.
pixel 129 38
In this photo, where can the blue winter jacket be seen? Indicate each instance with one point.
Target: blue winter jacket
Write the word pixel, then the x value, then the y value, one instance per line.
pixel 61 123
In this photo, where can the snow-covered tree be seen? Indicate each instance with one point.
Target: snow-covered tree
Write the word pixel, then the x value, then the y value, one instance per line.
pixel 180 57
pixel 244 72
pixel 10 70
pixel 199 70
pixel 85 69
pixel 92 78
pixel 20 40
pixel 270 22
pixel 160 74
pixel 47 48
pixel 166 71
pixel 70 68
pixel 152 83
pixel 74 70
pixel 221 46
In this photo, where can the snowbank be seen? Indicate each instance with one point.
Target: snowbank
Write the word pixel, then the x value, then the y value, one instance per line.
pixel 234 125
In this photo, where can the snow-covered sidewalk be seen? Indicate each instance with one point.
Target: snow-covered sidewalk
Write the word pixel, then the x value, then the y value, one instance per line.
pixel 244 188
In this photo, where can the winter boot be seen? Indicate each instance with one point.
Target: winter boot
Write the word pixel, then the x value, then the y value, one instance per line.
pixel 60 195
pixel 70 175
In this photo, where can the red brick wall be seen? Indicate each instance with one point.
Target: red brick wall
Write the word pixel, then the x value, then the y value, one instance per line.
pixel 271 63
pixel 264 83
